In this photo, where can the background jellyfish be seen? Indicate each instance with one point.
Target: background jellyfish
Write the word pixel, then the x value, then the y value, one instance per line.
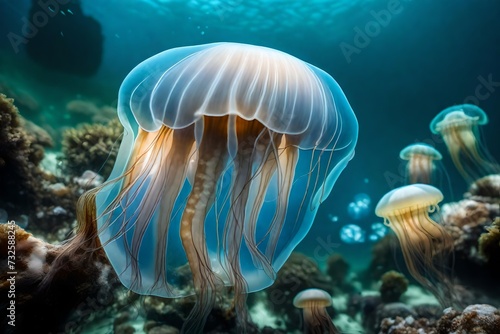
pixel 420 159
pixel 314 302
pixel 228 151
pixel 425 244
pixel 459 126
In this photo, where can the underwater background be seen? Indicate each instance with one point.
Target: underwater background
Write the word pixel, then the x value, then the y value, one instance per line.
pixel 397 71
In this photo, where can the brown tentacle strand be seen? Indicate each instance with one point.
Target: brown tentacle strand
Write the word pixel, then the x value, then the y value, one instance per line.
pixel 212 157
pixel 288 158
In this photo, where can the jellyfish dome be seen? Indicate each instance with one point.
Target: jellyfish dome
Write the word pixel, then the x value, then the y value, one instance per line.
pixel 228 151
pixel 459 126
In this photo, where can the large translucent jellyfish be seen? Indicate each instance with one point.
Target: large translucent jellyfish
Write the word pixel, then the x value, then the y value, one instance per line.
pixel 228 151
pixel 459 126
pixel 421 163
pixel 425 244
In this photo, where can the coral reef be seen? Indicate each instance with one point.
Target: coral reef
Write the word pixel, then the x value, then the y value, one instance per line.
pixel 394 284
pixel 383 258
pixel 30 193
pixel 489 249
pixel 407 325
pixel 489 243
pixel 337 268
pixel 479 318
pixel 91 147
pixel 486 189
pixel 19 177
pixel 467 221
pixel 77 285
pixel 22 181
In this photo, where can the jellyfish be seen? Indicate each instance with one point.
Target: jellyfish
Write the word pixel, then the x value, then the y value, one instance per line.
pixel 421 163
pixel 228 151
pixel 459 126
pixel 425 244
pixel 313 302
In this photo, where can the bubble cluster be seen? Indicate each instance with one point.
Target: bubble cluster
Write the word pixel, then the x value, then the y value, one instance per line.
pixel 378 231
pixel 352 234
pixel 360 207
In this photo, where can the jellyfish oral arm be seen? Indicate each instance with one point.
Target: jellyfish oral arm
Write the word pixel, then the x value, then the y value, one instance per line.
pixel 317 320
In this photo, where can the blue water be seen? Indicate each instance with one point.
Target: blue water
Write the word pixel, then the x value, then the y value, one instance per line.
pixel 423 57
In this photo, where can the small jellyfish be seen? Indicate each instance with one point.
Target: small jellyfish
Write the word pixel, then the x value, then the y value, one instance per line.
pixel 313 303
pixel 459 126
pixel 425 244
pixel 360 207
pixel 421 162
pixel 352 234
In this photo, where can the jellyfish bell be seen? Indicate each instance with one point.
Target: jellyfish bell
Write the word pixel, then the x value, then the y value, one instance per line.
pixel 459 127
pixel 425 244
pixel 421 162
pixel 227 153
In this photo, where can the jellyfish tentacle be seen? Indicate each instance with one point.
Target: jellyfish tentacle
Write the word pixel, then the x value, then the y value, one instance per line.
pixel 317 321
pixel 175 174
pixel 425 246
pixel 286 170
pixel 266 169
pixel 212 157
pixel 246 133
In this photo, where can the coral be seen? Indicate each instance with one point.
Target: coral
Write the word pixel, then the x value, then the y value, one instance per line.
pixel 407 325
pixel 91 147
pixel 393 285
pixel 337 268
pixel 466 221
pixel 77 285
pixel 486 189
pixel 466 213
pixel 20 178
pixel 372 317
pixel 167 315
pixel 475 319
pixel 489 248
pixel 489 243
pixel 383 255
pixel 27 190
